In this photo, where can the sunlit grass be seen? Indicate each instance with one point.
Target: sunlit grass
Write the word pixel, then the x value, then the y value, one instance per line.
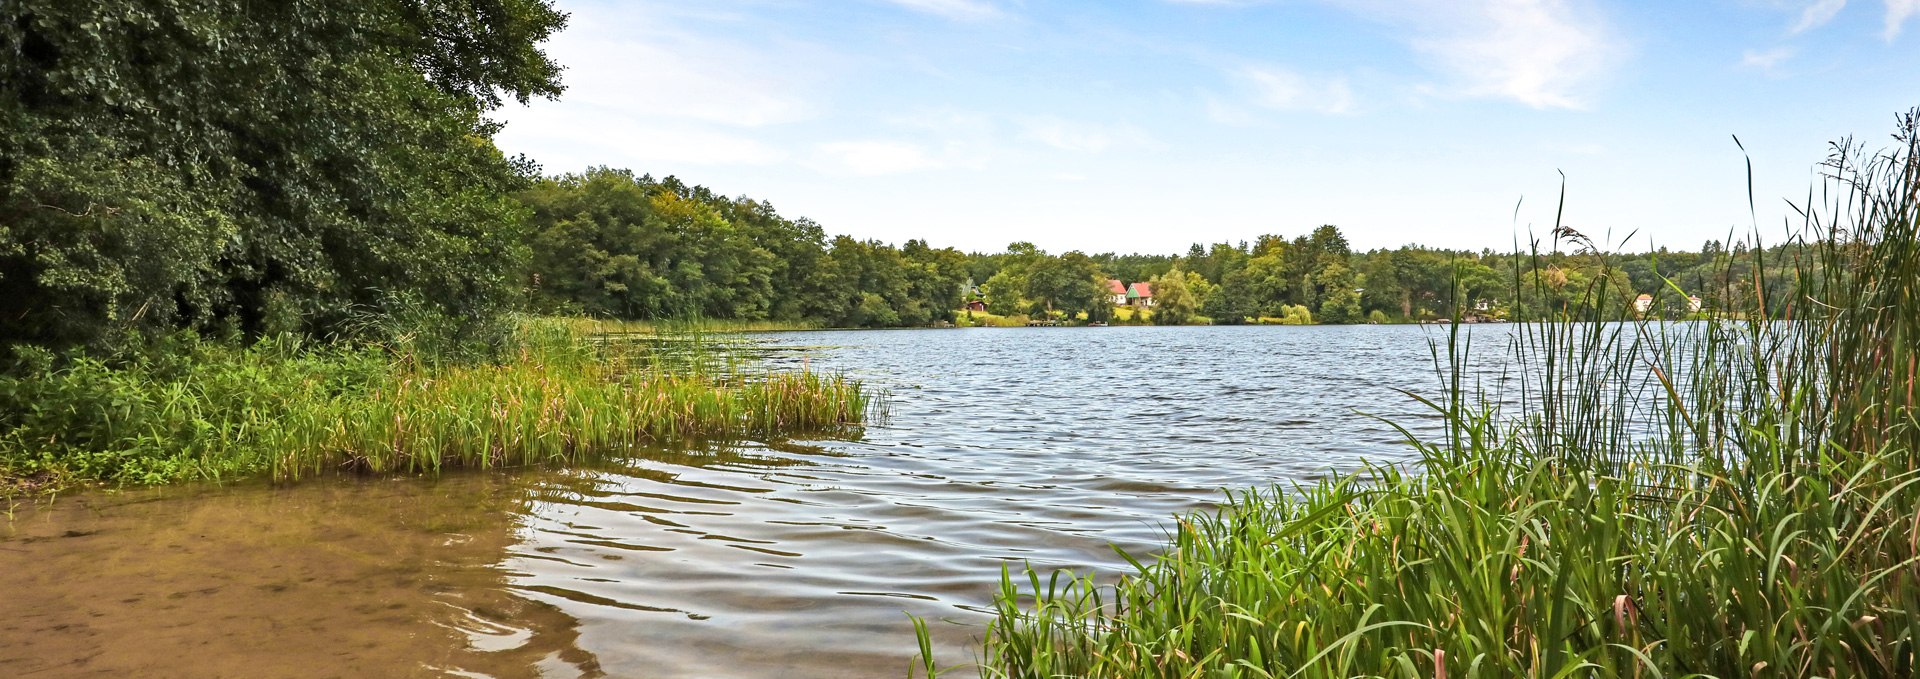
pixel 211 411
pixel 597 326
pixel 982 319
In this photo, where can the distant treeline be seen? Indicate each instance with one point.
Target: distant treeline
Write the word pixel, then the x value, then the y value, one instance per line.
pixel 611 244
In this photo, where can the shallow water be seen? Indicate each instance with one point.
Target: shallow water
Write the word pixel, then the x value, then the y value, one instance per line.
pixel 786 559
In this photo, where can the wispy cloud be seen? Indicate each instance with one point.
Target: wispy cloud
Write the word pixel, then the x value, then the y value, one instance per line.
pixel 657 85
pixel 1282 89
pixel 580 136
pixel 963 10
pixel 1766 60
pixel 1542 53
pixel 1086 137
pixel 1817 14
pixel 876 157
pixel 642 60
pixel 1898 12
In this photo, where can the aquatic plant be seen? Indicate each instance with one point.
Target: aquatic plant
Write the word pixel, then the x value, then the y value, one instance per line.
pixel 1737 497
pixel 203 409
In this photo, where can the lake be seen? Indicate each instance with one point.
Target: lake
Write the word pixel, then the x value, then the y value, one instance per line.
pixel 769 559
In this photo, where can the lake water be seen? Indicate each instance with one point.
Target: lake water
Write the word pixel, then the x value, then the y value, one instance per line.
pixel 786 559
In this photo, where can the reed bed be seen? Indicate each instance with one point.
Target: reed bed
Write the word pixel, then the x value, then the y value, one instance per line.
pixel 671 327
pixel 1738 497
pixel 205 410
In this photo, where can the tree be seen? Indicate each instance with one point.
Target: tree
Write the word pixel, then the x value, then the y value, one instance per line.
pixel 1234 300
pixel 1340 302
pixel 259 167
pixel 1071 283
pixel 1174 302
pixel 1003 292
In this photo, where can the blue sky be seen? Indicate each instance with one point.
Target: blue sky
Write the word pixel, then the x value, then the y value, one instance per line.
pixel 1147 125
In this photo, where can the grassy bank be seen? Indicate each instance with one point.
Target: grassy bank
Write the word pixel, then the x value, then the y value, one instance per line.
pixel 204 410
pixel 1737 497
pixel 595 326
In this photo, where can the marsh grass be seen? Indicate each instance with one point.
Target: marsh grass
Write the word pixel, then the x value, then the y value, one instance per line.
pixel 675 327
pixel 1736 497
pixel 206 410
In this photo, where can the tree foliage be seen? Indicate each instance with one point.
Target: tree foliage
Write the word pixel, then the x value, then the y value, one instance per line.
pixel 1176 302
pixel 609 244
pixel 258 167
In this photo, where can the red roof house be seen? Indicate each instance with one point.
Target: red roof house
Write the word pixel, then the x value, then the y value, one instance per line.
pixel 1141 294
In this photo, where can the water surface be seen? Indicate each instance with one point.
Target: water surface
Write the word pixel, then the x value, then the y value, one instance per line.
pixel 766 559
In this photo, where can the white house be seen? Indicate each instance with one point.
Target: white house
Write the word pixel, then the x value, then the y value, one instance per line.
pixel 1116 292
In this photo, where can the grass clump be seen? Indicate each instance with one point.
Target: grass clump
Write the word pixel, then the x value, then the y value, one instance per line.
pixel 199 409
pixel 982 319
pixel 1738 497
pixel 600 326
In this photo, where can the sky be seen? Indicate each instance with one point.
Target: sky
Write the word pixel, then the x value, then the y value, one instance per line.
pixel 1149 125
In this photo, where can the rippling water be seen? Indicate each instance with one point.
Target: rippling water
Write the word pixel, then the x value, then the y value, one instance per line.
pixel 787 559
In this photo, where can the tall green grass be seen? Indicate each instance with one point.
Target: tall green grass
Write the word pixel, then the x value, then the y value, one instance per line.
pixel 596 326
pixel 207 410
pixel 1738 497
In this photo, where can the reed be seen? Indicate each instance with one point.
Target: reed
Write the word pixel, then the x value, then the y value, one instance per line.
pixel 203 410
pixel 1737 497
pixel 597 326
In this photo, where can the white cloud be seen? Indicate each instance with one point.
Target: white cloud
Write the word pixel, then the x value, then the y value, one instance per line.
pixel 1284 90
pixel 1542 53
pixel 1078 136
pixel 963 10
pixel 645 60
pixel 1579 149
pixel 1898 12
pixel 1221 111
pixel 1765 60
pixel 578 136
pixel 1817 14
pixel 680 80
pixel 876 157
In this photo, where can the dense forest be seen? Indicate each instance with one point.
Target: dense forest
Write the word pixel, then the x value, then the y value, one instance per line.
pixel 325 168
pixel 610 244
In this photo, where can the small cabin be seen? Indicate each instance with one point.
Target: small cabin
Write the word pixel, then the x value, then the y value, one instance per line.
pixel 1116 292
pixel 1140 295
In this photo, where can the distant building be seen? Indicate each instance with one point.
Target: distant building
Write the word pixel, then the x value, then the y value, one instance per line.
pixel 1116 292
pixel 1642 303
pixel 1693 304
pixel 975 305
pixel 1140 295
